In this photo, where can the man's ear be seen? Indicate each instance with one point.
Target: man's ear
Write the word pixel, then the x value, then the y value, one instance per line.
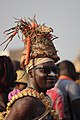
pixel 30 73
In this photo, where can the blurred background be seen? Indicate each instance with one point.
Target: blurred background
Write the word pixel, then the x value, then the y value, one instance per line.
pixel 62 15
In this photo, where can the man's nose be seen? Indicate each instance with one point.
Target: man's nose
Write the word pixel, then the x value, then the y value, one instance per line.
pixel 51 73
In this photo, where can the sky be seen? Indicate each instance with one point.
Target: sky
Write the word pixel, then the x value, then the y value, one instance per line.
pixel 62 15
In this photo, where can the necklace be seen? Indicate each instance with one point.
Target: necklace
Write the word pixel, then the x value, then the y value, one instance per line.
pixel 44 99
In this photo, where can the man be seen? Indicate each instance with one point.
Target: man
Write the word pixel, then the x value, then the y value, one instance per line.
pixel 38 58
pixel 69 88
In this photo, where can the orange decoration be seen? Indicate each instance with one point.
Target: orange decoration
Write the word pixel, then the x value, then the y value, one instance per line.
pixel 34 25
pixel 28 50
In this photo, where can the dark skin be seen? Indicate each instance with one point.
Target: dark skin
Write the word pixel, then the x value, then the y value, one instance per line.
pixel 39 80
pixel 28 108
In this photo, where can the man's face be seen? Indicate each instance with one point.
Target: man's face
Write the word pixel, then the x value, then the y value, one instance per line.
pixel 45 75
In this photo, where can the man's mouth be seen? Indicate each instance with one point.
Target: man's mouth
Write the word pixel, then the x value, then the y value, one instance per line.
pixel 51 79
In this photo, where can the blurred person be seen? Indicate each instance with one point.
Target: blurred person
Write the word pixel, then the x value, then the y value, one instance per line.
pixel 77 66
pixel 21 81
pixel 77 63
pixel 57 101
pixel 38 58
pixel 71 91
pixel 7 77
pixel 78 78
pixel 19 84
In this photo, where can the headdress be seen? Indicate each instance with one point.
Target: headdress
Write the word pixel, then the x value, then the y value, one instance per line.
pixel 37 40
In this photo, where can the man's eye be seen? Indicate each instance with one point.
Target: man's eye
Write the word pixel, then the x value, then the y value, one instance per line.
pixel 41 70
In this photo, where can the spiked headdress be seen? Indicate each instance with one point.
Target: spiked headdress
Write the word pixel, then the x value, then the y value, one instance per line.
pixel 37 40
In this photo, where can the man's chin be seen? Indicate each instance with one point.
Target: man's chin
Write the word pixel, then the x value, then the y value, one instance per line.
pixel 50 86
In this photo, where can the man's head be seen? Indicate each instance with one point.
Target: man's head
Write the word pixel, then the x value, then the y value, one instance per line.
pixel 38 49
pixel 39 55
pixel 67 68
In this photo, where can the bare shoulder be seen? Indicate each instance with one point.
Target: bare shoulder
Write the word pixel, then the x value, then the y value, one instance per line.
pixel 26 108
pixel 25 102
